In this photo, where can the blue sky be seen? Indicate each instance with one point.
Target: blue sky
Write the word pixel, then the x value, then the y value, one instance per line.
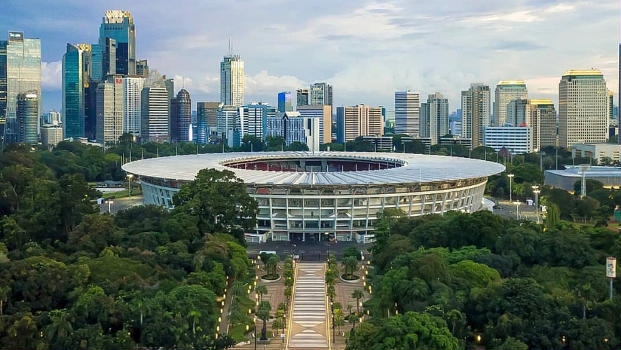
pixel 365 49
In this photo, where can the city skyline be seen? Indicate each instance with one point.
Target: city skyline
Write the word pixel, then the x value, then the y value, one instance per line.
pixel 396 45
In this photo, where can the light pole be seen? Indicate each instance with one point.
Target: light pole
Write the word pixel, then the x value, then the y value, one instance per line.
pixel 510 176
pixel 109 206
pixel 517 210
pixel 130 184
pixel 536 191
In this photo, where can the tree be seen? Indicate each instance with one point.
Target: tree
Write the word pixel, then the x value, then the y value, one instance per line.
pixel 357 294
pixel 219 202
pixel 271 264
pixel 351 264
pixel 409 331
pixel 4 296
pixel 60 327
pixel 261 289
pixel 264 314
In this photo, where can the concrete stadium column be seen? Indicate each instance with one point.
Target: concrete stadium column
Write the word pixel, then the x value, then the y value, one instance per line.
pixel 303 236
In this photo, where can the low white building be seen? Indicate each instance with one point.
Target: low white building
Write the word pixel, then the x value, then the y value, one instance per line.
pixel 51 135
pixel 515 139
pixel 597 151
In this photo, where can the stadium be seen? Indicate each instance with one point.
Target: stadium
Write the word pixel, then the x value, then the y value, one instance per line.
pixel 311 197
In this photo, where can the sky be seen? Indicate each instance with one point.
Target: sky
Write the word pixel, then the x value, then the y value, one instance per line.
pixel 366 49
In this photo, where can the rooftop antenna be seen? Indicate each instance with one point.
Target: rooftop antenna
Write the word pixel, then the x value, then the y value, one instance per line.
pixel 230 49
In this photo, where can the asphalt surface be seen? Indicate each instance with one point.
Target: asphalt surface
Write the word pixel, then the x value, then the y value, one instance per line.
pixel 508 209
pixel 117 204
pixel 307 251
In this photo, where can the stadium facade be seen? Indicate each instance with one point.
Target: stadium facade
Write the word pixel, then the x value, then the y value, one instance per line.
pixel 305 196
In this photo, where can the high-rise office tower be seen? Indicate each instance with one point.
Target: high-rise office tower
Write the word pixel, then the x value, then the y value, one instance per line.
pixel 227 124
pixel 155 106
pixel 104 59
pixel 324 114
pixel 507 91
pixel 320 94
pixel 541 117
pixel 583 108
pixel 359 120
pixel 109 96
pixel 142 68
pixel 407 113
pixel 74 116
pixel 284 102
pixel 252 119
pixel 20 72
pixel 28 117
pixel 119 25
pixel 207 120
pixel 475 112
pixel 132 106
pixel 516 112
pixel 232 82
pixel 180 117
pixel 301 97
pixel 434 118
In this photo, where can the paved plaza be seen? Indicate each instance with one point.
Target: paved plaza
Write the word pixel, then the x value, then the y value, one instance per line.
pixel 309 322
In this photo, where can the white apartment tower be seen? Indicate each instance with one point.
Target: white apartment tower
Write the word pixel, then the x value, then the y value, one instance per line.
pixel 155 126
pixel 583 108
pixel 132 89
pixel 232 81
pixel 434 118
pixel 407 113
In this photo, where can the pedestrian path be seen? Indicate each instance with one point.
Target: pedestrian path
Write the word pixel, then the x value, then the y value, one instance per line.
pixel 308 322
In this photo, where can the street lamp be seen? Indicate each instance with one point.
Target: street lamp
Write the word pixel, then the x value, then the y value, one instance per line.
pixel 109 206
pixel 130 183
pixel 517 209
pixel 510 176
pixel 536 191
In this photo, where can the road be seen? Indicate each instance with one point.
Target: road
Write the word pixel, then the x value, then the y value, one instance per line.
pixel 508 209
pixel 118 204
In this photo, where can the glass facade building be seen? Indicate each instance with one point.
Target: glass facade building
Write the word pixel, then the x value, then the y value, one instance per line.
pixel 73 93
pixel 28 117
pixel 284 102
pixel 22 74
pixel 119 25
pixel 180 117
pixel 232 81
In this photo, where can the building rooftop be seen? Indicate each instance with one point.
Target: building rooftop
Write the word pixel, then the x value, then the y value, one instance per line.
pixel 591 171
pixel 415 168
pixel 511 82
pixel 586 72
pixel 545 101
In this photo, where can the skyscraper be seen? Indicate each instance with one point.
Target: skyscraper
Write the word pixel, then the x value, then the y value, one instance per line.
pixel 541 117
pixel 359 120
pixel 583 108
pixel 142 68
pixel 434 118
pixel 407 113
pixel 284 102
pixel 611 102
pixel 227 124
pixel 475 112
pixel 320 94
pixel 119 25
pixel 20 72
pixel 73 92
pixel 516 112
pixel 132 106
pixel 180 117
pixel 507 91
pixel 324 114
pixel 155 111
pixel 302 97
pixel 28 117
pixel 232 83
pixel 252 119
pixel 109 96
pixel 207 120
pixel 104 59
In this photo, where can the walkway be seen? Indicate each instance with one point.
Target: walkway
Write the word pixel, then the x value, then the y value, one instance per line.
pixel 309 326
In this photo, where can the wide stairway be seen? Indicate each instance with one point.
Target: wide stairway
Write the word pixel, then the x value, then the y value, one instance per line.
pixel 309 327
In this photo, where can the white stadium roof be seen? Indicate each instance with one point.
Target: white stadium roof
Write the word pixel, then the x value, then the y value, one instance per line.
pixel 415 168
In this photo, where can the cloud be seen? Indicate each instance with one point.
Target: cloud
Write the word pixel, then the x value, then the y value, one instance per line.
pixel 263 83
pixel 51 75
pixel 517 45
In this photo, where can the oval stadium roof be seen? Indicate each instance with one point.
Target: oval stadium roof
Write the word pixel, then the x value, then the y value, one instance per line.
pixel 416 168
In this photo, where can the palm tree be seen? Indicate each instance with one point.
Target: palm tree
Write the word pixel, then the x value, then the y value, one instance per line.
pixel 264 314
pixel 261 289
pixel 60 327
pixel 351 264
pixel 357 294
